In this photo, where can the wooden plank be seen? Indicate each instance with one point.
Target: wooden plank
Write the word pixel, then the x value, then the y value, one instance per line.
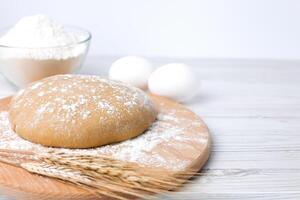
pixel 233 196
pixel 246 181
pixel 243 184
pixel 248 71
pixel 254 134
pixel 242 70
pixel 5 87
pixel 251 143
pixel 235 99
pixel 254 160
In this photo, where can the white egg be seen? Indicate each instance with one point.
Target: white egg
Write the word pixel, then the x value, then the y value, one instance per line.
pixel 175 81
pixel 133 70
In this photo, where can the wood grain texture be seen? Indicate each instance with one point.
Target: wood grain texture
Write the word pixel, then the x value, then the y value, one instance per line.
pixel 252 108
pixel 18 183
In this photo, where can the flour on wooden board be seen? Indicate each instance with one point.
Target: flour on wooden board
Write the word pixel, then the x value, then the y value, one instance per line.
pixel 168 132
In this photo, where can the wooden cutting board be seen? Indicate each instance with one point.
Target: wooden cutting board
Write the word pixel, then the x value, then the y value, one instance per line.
pixel 20 184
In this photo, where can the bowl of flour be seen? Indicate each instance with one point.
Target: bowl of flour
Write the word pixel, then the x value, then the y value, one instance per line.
pixel 37 47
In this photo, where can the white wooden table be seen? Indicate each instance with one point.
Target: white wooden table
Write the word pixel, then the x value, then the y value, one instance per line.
pixel 252 108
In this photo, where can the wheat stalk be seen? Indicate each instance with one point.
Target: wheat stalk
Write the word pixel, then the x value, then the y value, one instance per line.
pixel 99 174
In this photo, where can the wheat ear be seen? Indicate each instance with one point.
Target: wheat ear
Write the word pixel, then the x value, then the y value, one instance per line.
pixel 98 174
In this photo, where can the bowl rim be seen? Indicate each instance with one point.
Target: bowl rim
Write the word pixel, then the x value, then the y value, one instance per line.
pixel 86 39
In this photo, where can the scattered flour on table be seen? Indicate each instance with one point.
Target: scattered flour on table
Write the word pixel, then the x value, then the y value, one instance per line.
pixel 168 132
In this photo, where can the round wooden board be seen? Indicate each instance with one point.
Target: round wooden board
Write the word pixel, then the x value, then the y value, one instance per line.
pixel 20 184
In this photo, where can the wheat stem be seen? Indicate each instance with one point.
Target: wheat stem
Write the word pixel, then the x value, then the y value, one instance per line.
pixel 99 174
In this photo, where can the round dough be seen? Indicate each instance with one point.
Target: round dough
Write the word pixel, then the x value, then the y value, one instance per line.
pixel 80 111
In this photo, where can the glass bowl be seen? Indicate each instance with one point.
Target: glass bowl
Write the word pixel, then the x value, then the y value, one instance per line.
pixel 23 65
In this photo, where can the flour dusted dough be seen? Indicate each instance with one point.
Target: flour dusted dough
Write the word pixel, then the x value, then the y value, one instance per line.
pixel 79 111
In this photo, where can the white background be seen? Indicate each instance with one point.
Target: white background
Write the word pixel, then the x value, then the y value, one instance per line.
pixel 176 28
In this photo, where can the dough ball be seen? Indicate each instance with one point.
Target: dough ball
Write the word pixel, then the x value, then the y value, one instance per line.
pixel 174 81
pixel 79 111
pixel 133 70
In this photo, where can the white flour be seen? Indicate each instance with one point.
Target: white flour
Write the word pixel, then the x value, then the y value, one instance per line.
pixel 34 33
